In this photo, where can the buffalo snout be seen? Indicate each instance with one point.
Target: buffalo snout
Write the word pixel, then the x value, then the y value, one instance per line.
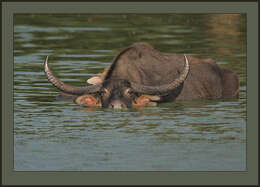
pixel 117 104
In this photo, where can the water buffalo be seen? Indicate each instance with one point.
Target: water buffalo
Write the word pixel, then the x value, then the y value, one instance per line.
pixel 143 76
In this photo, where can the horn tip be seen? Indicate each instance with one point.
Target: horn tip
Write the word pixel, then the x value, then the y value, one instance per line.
pixel 186 59
pixel 46 60
pixel 46 64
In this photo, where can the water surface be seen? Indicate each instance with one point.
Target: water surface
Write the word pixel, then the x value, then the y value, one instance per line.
pixel 55 135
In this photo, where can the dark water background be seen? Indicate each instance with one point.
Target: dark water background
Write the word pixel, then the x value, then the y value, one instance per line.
pixel 52 135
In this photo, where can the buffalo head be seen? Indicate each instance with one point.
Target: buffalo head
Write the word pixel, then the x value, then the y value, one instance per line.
pixel 117 93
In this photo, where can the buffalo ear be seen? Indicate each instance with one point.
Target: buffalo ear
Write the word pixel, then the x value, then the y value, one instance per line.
pixel 146 100
pixel 95 80
pixel 87 100
pixel 152 97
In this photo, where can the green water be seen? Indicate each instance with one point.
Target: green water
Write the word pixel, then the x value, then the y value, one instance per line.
pixel 54 135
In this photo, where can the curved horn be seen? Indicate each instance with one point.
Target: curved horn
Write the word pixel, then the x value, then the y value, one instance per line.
pixel 67 88
pixel 158 90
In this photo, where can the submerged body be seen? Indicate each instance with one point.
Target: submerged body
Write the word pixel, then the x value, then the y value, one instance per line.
pixel 143 76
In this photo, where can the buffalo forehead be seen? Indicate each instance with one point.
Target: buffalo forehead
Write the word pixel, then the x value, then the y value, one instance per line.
pixel 116 84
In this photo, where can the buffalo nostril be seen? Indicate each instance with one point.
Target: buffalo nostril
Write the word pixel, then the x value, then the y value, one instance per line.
pixel 116 105
pixel 110 106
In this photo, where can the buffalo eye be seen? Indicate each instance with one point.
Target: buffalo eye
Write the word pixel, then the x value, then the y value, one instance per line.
pixel 128 92
pixel 105 92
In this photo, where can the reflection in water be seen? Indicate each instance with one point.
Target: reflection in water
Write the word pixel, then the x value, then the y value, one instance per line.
pixel 226 30
pixel 58 135
pixel 227 24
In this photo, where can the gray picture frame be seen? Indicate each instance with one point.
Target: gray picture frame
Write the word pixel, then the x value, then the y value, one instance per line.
pixel 11 177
